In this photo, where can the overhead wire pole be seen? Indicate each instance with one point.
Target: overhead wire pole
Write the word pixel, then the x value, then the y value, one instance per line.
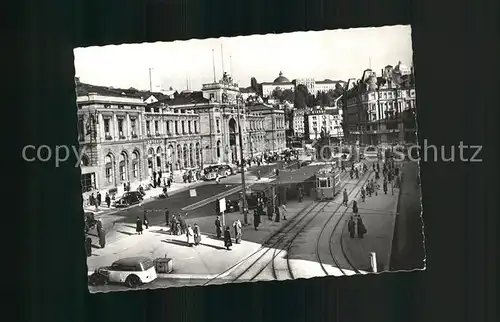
pixel 243 184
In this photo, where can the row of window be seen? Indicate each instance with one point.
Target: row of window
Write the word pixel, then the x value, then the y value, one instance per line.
pixel 167 126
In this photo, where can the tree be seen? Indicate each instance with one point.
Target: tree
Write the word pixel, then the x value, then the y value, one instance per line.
pixel 277 94
pixel 288 95
pixel 301 94
pixel 256 87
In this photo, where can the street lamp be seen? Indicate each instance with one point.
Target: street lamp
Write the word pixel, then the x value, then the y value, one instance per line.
pixel 239 99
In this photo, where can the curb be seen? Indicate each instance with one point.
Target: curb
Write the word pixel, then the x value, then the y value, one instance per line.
pixel 148 200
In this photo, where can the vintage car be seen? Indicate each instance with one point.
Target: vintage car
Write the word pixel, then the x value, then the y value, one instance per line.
pixel 129 198
pixel 210 173
pixel 132 271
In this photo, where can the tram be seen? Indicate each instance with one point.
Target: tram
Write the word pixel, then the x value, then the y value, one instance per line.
pixel 327 183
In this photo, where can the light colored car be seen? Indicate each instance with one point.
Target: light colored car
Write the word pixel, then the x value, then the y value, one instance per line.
pixel 132 271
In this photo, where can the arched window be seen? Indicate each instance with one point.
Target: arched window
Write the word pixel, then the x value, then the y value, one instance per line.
pixel 179 157
pixel 108 166
pixel 135 164
pixel 198 156
pixel 158 158
pixel 185 156
pixel 122 165
pixel 191 151
pixel 84 162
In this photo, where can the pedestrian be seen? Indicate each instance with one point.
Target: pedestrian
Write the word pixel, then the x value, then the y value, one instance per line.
pixel 269 210
pixel 283 208
pixel 217 178
pixel 197 234
pixel 385 186
pixel 91 199
pixel 346 198
pixel 145 219
pixel 351 226
pixel 277 211
pixel 356 171
pixel 351 173
pixel 377 176
pixel 256 219
pixel 363 194
pixel 98 199
pixel 227 238
pixel 182 223
pixel 218 227
pixel 361 228
pixel 237 231
pixel 189 234
pixel 88 246
pixel 355 207
pixel 102 238
pixel 374 167
pixel 108 199
pixel 173 225
pixel 138 226
pixel 165 191
pixel 376 187
pixel 167 217
pixel 258 174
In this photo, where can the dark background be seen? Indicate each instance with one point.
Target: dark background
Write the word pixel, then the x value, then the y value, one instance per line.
pixel 455 48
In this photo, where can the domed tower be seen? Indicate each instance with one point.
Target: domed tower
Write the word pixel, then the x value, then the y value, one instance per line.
pixel 281 79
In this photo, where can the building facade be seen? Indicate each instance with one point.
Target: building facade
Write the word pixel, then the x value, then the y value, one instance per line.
pixel 298 123
pixel 280 82
pixel 381 110
pixel 318 120
pixel 124 141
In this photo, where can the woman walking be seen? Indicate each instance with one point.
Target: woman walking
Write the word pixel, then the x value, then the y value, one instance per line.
pixel 189 233
pixel 138 226
pixel 197 234
pixel 227 239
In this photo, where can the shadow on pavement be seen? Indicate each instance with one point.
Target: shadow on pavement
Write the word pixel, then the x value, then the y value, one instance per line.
pixel 125 232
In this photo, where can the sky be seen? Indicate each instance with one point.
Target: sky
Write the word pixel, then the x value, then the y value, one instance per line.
pixel 333 54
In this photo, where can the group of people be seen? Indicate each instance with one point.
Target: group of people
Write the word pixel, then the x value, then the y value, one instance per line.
pixel 237 226
pixel 97 200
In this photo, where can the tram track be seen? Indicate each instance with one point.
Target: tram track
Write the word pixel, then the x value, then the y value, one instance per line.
pixel 261 258
pixel 335 225
pixel 266 256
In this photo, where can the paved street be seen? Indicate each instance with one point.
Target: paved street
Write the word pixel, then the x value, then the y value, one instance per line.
pixel 312 242
pixel 408 245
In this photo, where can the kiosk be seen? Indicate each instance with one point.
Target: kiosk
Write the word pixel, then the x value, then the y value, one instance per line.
pixel 327 183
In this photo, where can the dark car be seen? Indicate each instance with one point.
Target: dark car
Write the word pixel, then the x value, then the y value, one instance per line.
pixel 129 198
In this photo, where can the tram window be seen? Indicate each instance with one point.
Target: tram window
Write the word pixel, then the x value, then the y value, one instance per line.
pixel 323 183
pixel 329 182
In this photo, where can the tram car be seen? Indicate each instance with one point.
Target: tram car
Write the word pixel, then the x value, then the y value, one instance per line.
pixel 327 183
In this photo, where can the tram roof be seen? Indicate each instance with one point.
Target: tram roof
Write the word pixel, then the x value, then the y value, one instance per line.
pixel 293 177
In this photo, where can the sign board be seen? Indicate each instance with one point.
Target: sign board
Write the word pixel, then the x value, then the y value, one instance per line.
pixel 192 193
pixel 222 204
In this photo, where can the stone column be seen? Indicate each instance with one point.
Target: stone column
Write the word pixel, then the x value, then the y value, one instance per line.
pixel 101 135
pixel 128 128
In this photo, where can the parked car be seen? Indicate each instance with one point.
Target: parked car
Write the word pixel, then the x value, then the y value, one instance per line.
pixel 129 198
pixel 132 271
pixel 210 173
pixel 225 170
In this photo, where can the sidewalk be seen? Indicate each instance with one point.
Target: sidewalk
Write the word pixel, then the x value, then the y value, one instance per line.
pixel 151 194
pixel 207 260
pixel 379 216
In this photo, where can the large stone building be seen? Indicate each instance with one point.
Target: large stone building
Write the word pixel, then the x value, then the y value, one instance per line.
pixel 124 140
pixel 381 109
pixel 218 106
pixel 314 87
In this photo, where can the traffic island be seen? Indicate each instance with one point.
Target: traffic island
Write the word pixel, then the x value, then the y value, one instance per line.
pixel 379 216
